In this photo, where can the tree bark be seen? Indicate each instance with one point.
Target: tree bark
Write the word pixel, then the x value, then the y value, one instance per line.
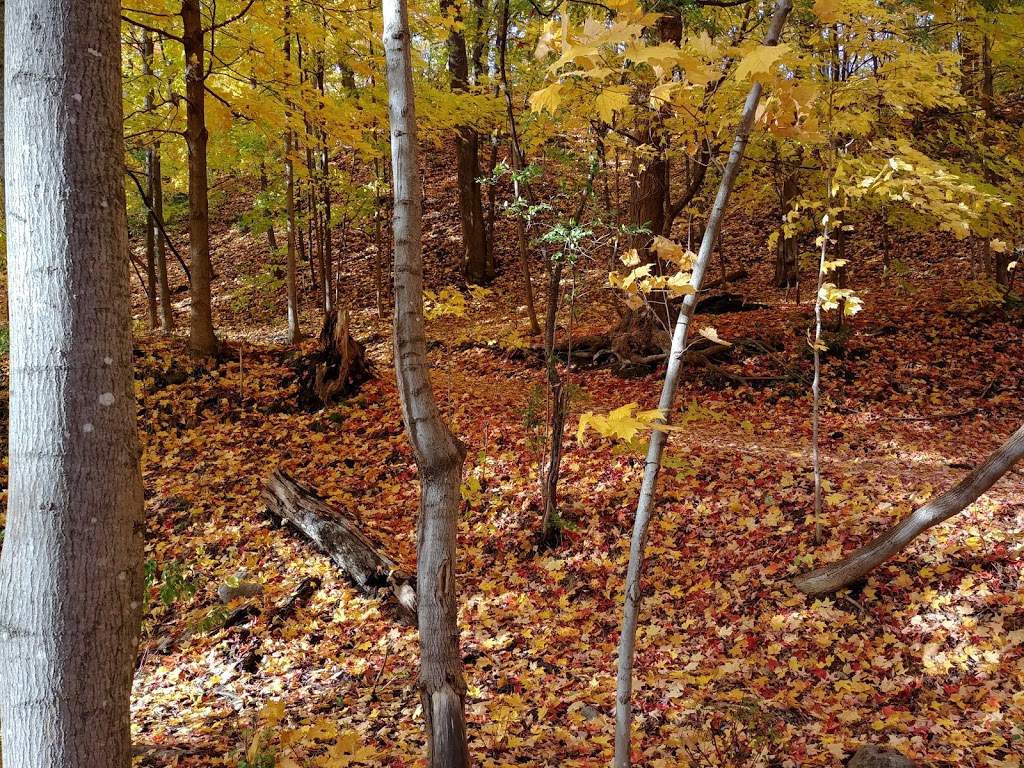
pixel 471 213
pixel 439 454
pixel 856 565
pixel 201 340
pixel 330 529
pixel 786 262
pixel 638 543
pixel 71 566
pixel 291 278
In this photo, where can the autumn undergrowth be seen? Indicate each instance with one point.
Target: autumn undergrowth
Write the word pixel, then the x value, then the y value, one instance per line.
pixel 734 666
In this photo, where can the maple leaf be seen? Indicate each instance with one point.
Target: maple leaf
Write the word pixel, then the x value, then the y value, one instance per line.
pixel 759 62
pixel 610 101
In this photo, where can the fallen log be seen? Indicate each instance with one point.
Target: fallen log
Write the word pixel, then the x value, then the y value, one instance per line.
pixel 338 537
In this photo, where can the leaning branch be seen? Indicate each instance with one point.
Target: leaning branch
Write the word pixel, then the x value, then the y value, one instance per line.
pixel 159 221
pixel 856 565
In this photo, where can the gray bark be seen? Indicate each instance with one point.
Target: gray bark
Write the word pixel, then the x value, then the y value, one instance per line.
pixel 852 567
pixel 438 453
pixel 71 566
pixel 631 610
pixel 291 279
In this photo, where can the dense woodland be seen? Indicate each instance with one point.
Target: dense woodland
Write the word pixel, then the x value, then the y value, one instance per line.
pixel 513 383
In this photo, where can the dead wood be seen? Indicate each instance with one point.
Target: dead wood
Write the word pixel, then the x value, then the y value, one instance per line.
pixel 339 537
pixel 336 369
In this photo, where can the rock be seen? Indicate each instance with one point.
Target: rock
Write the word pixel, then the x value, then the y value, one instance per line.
pixel 880 757
pixel 237 586
pixel 590 712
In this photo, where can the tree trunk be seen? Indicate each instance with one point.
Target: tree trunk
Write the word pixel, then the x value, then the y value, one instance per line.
pixel 162 281
pixel 336 369
pixel 291 278
pixel 439 454
pixel 471 213
pixel 201 340
pixel 638 543
pixel 786 262
pixel 71 566
pixel 856 565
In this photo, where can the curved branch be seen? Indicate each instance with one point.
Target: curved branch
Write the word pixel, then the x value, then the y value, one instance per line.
pixel 837 575
pixel 158 220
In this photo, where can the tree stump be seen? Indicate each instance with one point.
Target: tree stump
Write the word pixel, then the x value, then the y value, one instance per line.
pixel 337 368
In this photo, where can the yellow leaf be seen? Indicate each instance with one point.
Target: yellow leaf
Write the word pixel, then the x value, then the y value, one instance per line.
pixel 826 10
pixel 760 61
pixel 610 101
pixel 546 98
pixel 711 334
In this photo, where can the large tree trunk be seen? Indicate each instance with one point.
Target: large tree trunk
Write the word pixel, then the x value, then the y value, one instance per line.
pixel 439 454
pixel 201 340
pixel 856 565
pixel 652 465
pixel 71 567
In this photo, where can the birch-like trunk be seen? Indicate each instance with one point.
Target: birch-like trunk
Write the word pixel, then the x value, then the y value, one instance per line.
pixel 291 276
pixel 631 610
pixel 439 454
pixel 71 567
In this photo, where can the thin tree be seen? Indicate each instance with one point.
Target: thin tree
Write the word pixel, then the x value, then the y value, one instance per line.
pixel 71 567
pixel 631 610
pixel 438 453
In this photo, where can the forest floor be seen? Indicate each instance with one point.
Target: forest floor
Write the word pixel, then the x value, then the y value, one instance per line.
pixel 734 666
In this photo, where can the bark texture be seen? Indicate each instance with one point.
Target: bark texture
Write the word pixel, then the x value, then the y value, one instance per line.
pixel 336 369
pixel 856 565
pixel 471 212
pixel 438 453
pixel 71 567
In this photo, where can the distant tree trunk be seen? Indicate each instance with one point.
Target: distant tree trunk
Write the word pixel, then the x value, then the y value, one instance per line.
pixel 474 246
pixel 786 262
pixel 652 465
pixel 163 283
pixel 71 566
pixel 291 277
pixel 438 453
pixel 517 166
pixel 201 341
pixel 327 267
pixel 264 186
pixel 837 575
pixel 151 227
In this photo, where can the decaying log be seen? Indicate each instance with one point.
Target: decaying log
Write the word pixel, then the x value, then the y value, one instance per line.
pixel 337 536
pixel 336 369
